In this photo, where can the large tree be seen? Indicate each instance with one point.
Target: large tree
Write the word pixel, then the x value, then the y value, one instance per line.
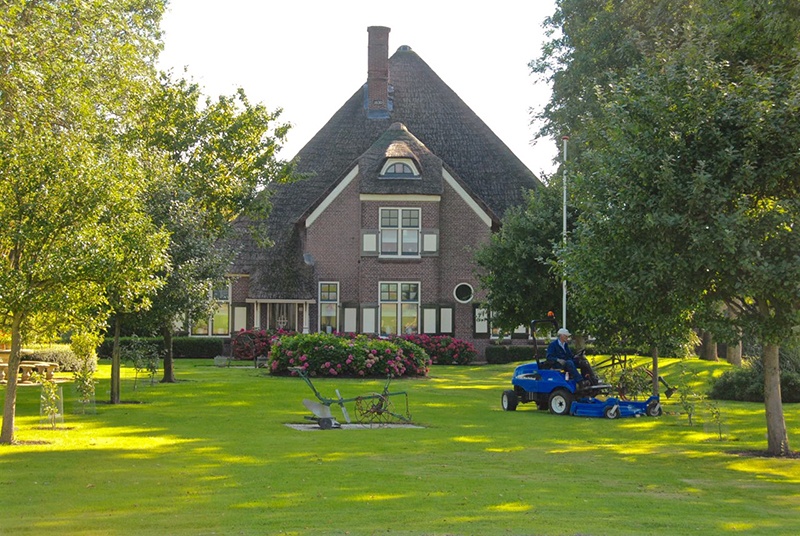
pixel 222 156
pixel 71 76
pixel 689 174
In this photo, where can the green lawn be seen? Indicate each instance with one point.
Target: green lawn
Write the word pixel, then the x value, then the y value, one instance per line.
pixel 212 455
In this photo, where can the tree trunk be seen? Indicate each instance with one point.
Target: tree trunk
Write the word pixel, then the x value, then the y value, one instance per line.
pixel 654 354
pixel 734 354
pixel 777 436
pixel 115 363
pixel 169 373
pixel 10 403
pixel 709 348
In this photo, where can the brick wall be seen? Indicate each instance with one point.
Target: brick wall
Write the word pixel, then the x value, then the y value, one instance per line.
pixel 334 239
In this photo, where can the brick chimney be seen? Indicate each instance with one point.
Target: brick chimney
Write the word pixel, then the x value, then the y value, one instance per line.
pixel 378 72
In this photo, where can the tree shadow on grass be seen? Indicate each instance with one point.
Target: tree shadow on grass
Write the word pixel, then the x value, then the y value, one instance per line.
pixel 792 455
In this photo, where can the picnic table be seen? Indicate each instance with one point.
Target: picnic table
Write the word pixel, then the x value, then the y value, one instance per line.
pixel 26 367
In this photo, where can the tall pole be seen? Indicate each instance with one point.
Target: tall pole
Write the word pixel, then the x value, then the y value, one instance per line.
pixel 564 139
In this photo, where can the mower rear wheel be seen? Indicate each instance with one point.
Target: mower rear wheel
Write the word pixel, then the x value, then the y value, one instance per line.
pixel 560 402
pixel 509 400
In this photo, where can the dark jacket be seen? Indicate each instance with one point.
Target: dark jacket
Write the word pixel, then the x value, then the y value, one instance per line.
pixel 555 352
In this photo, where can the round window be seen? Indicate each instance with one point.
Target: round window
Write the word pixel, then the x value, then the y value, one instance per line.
pixel 463 293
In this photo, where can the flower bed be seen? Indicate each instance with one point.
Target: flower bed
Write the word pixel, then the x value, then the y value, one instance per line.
pixel 323 354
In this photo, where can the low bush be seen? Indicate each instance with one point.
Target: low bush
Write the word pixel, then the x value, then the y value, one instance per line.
pixel 443 349
pixel 746 384
pixel 323 354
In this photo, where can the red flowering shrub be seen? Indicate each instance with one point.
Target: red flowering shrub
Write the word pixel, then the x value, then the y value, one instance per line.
pixel 443 349
pixel 249 344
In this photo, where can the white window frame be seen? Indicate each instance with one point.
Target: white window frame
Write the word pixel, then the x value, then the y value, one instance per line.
pixel 328 302
pixel 209 331
pixel 398 302
pixel 483 326
pixel 399 232
pixel 402 161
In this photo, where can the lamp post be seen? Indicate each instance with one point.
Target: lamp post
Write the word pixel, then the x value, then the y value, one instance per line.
pixel 564 140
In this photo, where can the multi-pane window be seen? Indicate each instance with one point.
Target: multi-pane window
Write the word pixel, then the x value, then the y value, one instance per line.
pixel 484 325
pixel 328 306
pixel 400 230
pixel 399 169
pixel 399 308
pixel 219 322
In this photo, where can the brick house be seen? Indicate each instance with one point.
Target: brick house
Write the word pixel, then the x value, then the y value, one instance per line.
pixel 403 183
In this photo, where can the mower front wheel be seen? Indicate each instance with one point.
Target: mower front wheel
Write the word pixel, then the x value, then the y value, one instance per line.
pixel 560 402
pixel 611 412
pixel 510 400
pixel 654 409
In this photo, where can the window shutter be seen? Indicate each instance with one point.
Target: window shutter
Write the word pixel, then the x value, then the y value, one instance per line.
pixel 430 242
pixel 350 319
pixel 446 320
pixel 369 319
pixel 369 242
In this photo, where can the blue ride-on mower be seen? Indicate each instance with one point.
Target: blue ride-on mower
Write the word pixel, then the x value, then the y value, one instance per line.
pixel 553 389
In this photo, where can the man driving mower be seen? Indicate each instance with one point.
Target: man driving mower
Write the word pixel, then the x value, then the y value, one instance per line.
pixel 559 355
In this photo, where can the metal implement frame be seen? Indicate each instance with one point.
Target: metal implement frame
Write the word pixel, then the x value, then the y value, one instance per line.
pixel 374 408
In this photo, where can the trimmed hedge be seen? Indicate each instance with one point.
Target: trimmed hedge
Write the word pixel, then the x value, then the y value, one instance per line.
pixel 501 354
pixel 323 354
pixel 182 347
pixel 197 347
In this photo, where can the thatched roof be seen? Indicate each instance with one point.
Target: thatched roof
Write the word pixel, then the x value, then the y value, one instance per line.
pixel 433 116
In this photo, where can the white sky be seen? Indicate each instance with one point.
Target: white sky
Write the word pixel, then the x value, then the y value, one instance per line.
pixel 309 56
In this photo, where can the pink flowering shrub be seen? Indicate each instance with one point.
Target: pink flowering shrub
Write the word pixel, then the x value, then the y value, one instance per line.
pixel 323 354
pixel 443 349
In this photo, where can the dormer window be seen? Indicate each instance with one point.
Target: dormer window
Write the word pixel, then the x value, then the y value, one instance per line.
pixel 399 168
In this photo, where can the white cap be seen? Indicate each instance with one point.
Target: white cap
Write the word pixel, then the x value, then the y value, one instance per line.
pixel 564 331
